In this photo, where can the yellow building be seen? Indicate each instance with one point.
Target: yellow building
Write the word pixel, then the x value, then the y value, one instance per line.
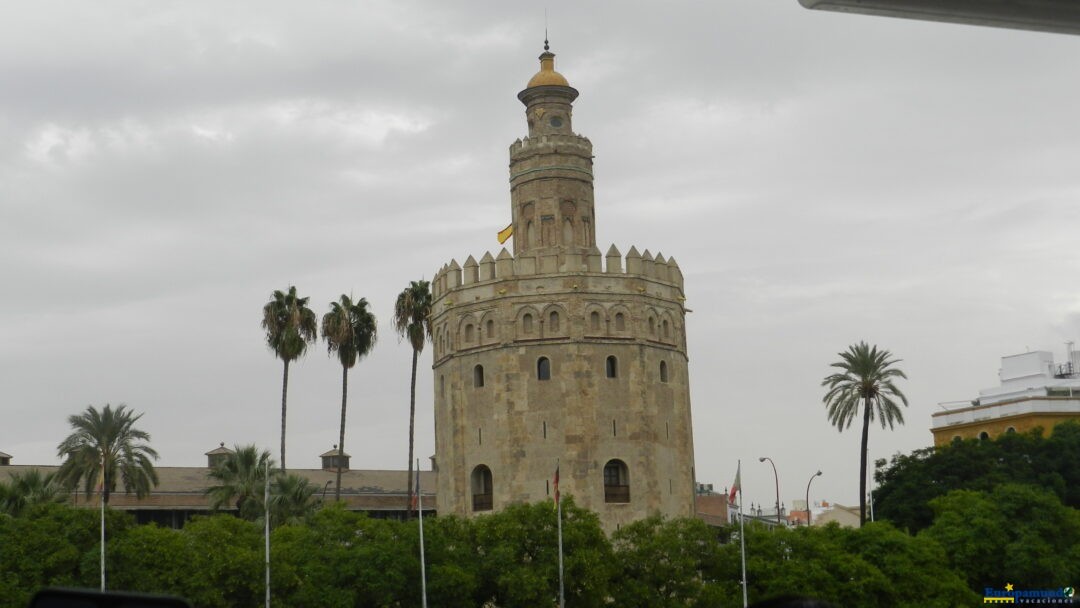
pixel 1034 392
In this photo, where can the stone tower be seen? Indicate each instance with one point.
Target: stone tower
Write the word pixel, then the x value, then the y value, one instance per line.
pixel 559 353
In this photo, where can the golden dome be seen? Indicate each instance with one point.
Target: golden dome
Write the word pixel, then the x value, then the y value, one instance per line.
pixel 547 75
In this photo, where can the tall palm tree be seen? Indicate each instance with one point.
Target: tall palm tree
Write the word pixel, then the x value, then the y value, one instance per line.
pixel 866 379
pixel 350 330
pixel 241 481
pixel 412 320
pixel 290 326
pixel 108 441
pixel 27 489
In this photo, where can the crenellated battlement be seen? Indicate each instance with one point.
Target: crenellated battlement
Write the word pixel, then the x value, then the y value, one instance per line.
pixel 549 143
pixel 505 266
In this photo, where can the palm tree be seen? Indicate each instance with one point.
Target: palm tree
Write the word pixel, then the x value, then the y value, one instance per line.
pixel 241 478
pixel 350 330
pixel 27 489
pixel 292 499
pixel 866 379
pixel 290 326
pixel 107 441
pixel 412 320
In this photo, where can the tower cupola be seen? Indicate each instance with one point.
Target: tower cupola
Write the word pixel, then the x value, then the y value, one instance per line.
pixel 551 171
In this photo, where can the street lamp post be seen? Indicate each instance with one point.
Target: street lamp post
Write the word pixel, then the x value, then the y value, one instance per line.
pixel 818 474
pixel 776 476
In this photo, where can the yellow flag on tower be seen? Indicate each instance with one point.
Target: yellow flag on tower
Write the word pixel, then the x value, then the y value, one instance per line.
pixel 506 233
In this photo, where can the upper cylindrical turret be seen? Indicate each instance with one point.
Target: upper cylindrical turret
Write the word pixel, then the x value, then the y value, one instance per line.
pixel 551 193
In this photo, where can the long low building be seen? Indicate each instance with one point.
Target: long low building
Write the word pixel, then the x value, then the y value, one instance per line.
pixel 181 492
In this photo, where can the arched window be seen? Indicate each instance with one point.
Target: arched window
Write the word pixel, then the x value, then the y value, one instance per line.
pixel 983 436
pixel 478 376
pixel 652 326
pixel 526 323
pixel 666 329
pixel 530 234
pixel 481 488
pixel 663 371
pixel 620 322
pixel 468 333
pixel 616 482
pixel 553 322
pixel 1010 430
pixel 543 369
pixel 490 327
pixel 594 321
pixel 611 367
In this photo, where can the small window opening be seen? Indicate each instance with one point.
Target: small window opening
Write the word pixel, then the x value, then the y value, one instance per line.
pixel 527 323
pixel 481 488
pixel 616 482
pixel 612 367
pixel 652 326
pixel 490 326
pixel 543 369
pixel 594 321
pixel 478 376
pixel 984 436
pixel 545 429
pixel 620 322
pixel 468 333
pixel 553 322
pixel 1010 430
pixel 614 430
pixel 480 436
pixel 663 371
pixel 666 329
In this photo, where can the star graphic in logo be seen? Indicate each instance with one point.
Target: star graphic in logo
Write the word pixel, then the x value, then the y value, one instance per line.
pixel 1008 586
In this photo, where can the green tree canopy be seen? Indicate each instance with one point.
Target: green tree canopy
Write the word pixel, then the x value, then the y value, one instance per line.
pixel 910 481
pixel 1015 533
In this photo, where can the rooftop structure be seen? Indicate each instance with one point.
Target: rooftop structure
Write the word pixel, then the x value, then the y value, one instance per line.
pixel 1035 391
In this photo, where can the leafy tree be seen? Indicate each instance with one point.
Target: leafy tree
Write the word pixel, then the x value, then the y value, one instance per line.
pixel 1014 532
pixel 151 559
pixel 412 320
pixel 664 562
pixel 866 379
pixel 519 546
pixel 108 441
pixel 27 489
pixel 53 545
pixel 871 566
pixel 290 326
pixel 349 330
pixel 227 562
pixel 241 481
pixel 910 481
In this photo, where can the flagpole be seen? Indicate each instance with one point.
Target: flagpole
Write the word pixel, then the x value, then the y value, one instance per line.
pixel 420 513
pixel 742 538
pixel 266 528
pixel 558 510
pixel 102 499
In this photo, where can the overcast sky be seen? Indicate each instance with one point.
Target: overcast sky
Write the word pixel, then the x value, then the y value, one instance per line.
pixel 821 179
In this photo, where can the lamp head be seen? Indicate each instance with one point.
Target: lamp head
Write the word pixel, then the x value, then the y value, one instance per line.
pixel 762 459
pixel 818 474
